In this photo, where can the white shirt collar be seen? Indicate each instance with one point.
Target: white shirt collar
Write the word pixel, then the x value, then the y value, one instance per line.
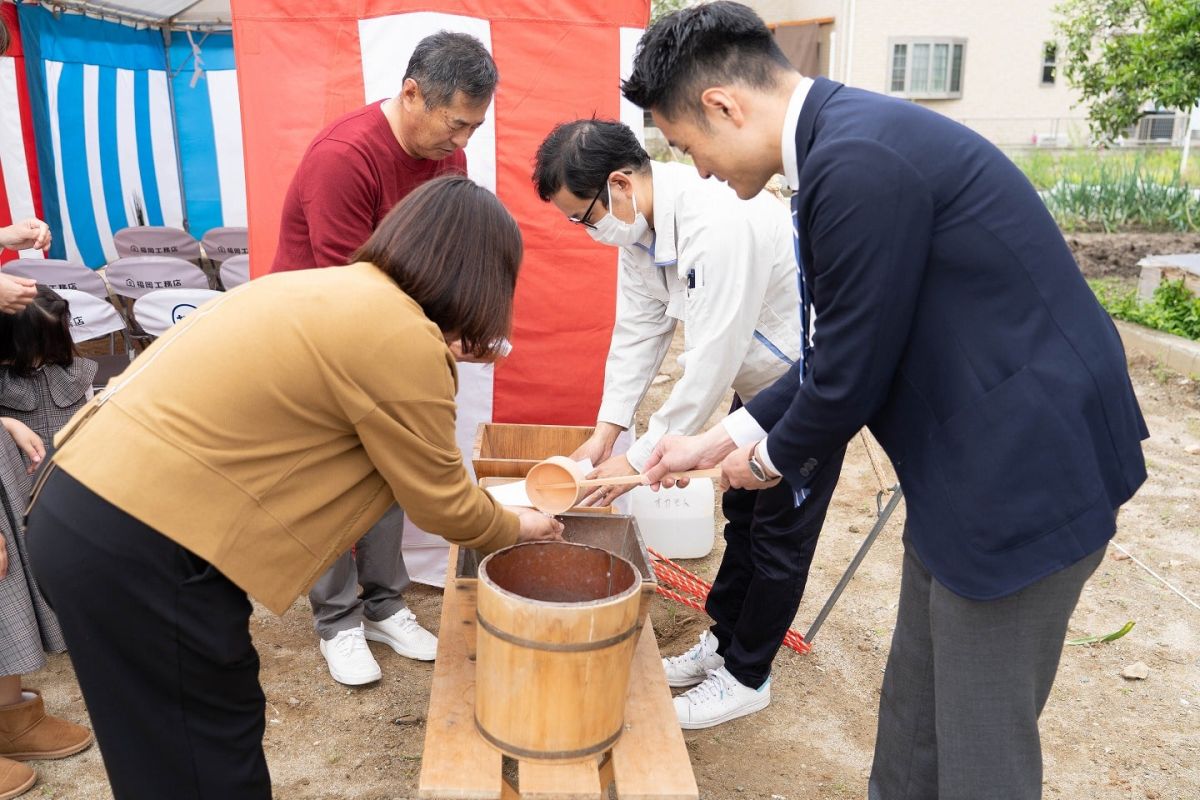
pixel 662 238
pixel 790 120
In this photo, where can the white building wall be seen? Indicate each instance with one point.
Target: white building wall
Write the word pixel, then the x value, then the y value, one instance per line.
pixel 788 10
pixel 1002 94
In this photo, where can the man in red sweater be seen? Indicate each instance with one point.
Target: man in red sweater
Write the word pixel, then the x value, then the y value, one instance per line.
pixel 351 176
pixel 364 163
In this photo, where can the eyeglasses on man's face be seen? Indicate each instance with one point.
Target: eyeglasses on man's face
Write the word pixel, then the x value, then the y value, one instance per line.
pixel 583 220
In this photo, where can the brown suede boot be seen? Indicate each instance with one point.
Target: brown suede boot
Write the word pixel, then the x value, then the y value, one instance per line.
pixel 28 732
pixel 15 779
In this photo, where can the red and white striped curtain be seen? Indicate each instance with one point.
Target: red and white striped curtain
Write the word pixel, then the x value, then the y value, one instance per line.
pixel 20 194
pixel 301 66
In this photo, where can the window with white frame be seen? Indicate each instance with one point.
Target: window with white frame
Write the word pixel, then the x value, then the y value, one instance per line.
pixel 1049 63
pixel 926 68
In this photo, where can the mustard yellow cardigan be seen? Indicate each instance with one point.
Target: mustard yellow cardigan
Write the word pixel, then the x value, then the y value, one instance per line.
pixel 268 430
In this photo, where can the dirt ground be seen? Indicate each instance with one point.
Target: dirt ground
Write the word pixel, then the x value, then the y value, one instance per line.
pixel 1104 736
pixel 1115 256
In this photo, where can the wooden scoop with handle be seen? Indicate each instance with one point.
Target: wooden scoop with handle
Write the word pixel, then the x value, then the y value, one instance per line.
pixel 625 480
pixel 558 483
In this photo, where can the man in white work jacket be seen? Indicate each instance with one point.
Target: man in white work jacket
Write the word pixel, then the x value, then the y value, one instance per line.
pixel 692 252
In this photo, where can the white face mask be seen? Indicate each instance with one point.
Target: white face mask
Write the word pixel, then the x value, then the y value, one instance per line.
pixel 610 230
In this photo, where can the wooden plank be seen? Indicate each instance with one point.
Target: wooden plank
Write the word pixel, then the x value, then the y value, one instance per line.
pixel 479 446
pixel 457 764
pixel 464 626
pixel 650 760
pixel 542 781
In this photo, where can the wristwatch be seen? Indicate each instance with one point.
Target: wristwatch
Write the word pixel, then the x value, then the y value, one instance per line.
pixel 756 467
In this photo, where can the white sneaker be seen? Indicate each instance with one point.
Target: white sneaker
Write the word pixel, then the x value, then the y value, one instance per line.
pixel 404 634
pixel 719 699
pixel 693 666
pixel 349 659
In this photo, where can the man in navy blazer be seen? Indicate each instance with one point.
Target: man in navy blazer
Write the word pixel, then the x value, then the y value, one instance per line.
pixel 952 320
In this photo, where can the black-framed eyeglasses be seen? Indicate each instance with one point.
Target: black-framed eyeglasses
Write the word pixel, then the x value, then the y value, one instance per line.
pixel 583 220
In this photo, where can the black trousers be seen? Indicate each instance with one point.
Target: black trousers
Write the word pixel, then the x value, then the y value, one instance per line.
pixel 769 546
pixel 160 642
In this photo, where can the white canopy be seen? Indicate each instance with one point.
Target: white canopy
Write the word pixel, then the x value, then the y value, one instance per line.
pixel 168 13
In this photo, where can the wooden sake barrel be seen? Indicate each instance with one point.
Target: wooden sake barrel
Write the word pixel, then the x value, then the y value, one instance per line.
pixel 557 627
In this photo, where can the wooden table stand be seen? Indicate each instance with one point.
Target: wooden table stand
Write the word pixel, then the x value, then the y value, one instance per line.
pixel 648 762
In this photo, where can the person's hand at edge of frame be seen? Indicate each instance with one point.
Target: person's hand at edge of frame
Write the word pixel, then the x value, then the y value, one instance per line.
pixel 537 527
pixel 28 441
pixel 28 234
pixel 598 447
pixel 16 293
pixel 615 467
pixel 735 470
pixel 682 453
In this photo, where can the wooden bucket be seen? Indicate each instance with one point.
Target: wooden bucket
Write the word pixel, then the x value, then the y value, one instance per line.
pixel 557 627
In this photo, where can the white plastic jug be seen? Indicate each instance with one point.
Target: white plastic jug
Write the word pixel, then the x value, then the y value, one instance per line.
pixel 678 523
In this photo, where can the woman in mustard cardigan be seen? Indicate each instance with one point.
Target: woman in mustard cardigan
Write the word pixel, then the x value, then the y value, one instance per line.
pixel 239 455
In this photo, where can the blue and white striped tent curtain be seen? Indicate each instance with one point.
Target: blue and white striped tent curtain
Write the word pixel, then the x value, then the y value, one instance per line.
pixel 209 121
pixel 106 133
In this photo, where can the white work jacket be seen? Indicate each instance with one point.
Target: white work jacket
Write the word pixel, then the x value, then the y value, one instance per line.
pixel 724 267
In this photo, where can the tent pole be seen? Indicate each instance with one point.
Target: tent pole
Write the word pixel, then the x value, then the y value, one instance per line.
pixel 132 18
pixel 166 32
pixel 184 10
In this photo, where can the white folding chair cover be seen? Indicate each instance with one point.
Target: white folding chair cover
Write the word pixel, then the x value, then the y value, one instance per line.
pixel 222 243
pixel 235 271
pixel 156 240
pixel 158 310
pixel 91 317
pixel 137 275
pixel 59 274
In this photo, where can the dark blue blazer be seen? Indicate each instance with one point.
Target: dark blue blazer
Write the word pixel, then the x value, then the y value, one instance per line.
pixel 952 320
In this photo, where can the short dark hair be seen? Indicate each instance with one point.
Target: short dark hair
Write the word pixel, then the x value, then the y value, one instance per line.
pixel 453 248
pixel 582 154
pixel 38 334
pixel 702 46
pixel 446 62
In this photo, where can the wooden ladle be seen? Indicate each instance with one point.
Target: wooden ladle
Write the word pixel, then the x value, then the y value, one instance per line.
pixel 558 484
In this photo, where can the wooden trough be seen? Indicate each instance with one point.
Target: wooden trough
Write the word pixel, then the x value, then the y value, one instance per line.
pixel 508 451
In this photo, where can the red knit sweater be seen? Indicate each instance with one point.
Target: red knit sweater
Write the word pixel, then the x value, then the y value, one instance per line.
pixel 351 176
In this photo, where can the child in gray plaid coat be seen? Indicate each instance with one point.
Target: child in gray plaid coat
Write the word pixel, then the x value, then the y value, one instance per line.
pixel 43 382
